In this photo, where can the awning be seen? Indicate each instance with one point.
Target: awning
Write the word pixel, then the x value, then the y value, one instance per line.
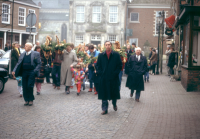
pixel 170 21
pixel 183 17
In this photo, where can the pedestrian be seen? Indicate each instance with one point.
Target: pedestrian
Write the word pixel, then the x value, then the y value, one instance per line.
pixel 137 68
pixel 69 59
pixel 79 75
pixel 39 80
pixel 19 80
pixel 28 67
pixel 129 52
pixel 92 53
pixel 47 68
pixel 133 47
pixel 167 52
pixel 171 61
pixel 153 59
pixel 6 48
pixel 109 66
pixel 56 69
pixel 15 53
pixel 146 75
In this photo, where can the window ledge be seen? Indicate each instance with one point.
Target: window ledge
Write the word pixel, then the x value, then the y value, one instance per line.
pixel 134 21
pixel 21 25
pixel 156 35
pixel 5 22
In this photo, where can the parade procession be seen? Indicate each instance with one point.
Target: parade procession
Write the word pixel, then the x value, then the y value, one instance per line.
pixel 99 69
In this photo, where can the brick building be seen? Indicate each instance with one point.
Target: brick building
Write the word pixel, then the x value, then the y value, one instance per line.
pixel 21 9
pixel 187 25
pixel 142 19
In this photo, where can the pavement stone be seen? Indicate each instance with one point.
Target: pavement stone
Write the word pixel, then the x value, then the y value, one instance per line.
pixel 165 111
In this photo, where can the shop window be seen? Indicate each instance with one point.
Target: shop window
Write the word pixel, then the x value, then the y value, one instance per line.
pixel 197 21
pixel 186 44
pixel 196 49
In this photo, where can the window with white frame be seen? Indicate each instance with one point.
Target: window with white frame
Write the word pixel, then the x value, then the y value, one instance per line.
pixel 96 14
pixel 134 17
pixel 133 40
pixel 112 38
pixel 113 14
pixel 78 39
pixel 159 19
pixel 5 13
pixel 96 37
pixel 80 14
pixel 22 16
pixel 31 11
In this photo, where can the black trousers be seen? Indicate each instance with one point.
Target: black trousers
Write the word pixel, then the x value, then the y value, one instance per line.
pixel 96 85
pixel 171 70
pixel 28 80
pixel 56 75
pixel 47 77
pixel 153 67
pixel 137 95
pixel 105 104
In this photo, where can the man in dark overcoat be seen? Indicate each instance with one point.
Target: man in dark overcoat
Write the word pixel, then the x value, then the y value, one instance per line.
pixel 28 67
pixel 109 66
pixel 137 66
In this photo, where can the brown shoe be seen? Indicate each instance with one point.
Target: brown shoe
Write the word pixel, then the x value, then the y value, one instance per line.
pixel 54 87
pixel 26 103
pixel 104 112
pixel 115 108
pixel 137 100
pixel 20 96
pixel 30 103
pixel 131 94
pixel 58 87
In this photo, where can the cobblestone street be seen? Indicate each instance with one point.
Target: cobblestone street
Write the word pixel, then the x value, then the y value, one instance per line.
pixel 165 110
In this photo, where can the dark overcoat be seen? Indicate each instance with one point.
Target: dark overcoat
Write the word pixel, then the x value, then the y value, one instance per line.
pixel 95 77
pixel 108 70
pixel 128 56
pixel 171 61
pixel 14 58
pixel 136 71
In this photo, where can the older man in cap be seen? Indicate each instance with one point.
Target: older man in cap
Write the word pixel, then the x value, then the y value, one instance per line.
pixel 28 67
pixel 137 66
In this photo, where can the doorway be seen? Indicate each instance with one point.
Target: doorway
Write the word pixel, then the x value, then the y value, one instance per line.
pixel 1 43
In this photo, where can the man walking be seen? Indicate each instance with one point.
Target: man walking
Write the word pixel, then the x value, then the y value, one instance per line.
pixel 28 67
pixel 167 52
pixel 109 65
pixel 137 66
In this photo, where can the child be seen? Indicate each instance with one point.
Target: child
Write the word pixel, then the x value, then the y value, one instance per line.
pixel 19 80
pixel 78 77
pixel 146 75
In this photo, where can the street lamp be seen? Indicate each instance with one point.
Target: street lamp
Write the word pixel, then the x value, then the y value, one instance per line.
pixel 160 20
pixel 122 32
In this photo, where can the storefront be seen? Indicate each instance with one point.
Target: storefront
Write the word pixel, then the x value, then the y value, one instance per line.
pixel 188 23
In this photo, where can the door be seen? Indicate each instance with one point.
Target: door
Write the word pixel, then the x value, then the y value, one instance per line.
pixel 96 42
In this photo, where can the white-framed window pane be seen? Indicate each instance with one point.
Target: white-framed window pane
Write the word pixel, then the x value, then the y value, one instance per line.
pixel 80 14
pixel 31 11
pixel 78 39
pixel 96 37
pixel 21 18
pixel 96 16
pixel 112 38
pixel 134 17
pixel 113 14
pixel 5 13
pixel 133 40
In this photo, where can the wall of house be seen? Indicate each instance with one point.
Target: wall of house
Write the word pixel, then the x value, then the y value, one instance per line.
pixel 104 28
pixel 145 29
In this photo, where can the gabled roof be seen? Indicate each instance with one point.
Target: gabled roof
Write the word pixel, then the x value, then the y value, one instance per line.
pixel 27 1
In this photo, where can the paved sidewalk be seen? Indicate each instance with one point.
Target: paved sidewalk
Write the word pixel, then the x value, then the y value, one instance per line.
pixel 165 111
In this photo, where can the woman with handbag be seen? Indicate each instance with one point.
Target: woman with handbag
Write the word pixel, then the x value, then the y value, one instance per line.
pixel 154 59
pixel 39 80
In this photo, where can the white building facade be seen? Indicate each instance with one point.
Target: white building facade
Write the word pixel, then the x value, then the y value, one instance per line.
pixel 92 21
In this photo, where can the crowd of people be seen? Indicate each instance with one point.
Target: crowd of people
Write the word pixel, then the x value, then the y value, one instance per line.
pixel 104 74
